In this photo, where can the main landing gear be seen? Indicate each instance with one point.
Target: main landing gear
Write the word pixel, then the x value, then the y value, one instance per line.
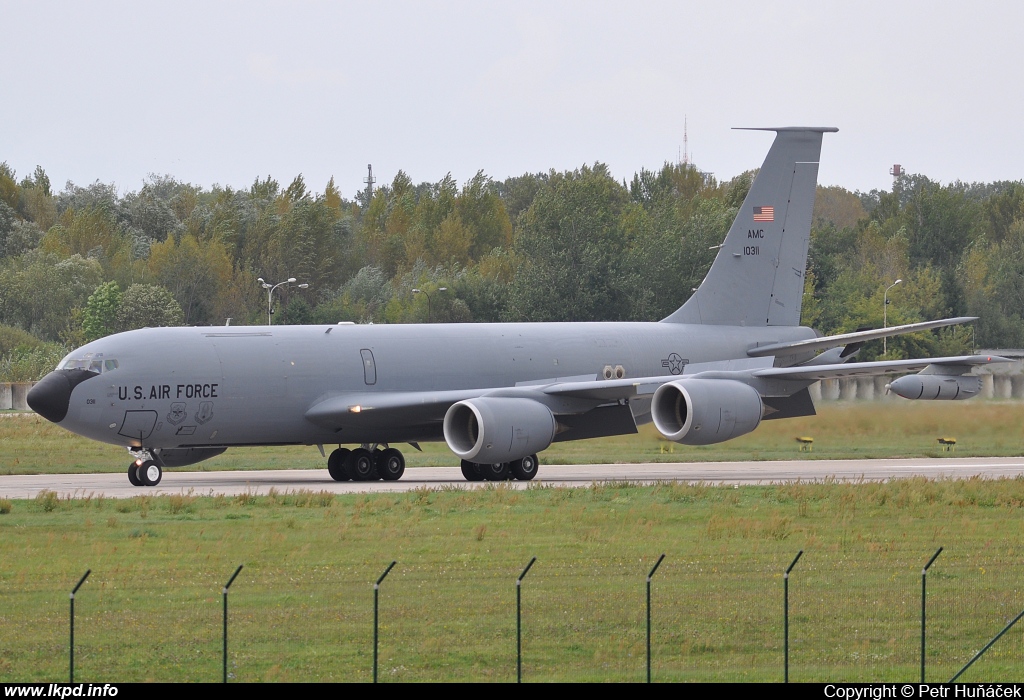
pixel 366 464
pixel 521 469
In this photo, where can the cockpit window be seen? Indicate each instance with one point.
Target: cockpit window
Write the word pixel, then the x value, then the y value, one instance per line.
pixel 94 362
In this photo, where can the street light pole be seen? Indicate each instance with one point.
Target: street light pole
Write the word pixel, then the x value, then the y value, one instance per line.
pixel 270 293
pixel 885 316
pixel 424 293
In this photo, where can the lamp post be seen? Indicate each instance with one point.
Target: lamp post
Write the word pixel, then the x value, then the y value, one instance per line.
pixel 424 293
pixel 270 293
pixel 885 316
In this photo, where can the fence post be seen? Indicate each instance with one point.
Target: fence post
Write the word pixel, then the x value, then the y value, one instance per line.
pixel 225 592
pixel 924 594
pixel 519 622
pixel 987 647
pixel 649 577
pixel 376 591
pixel 785 613
pixel 71 645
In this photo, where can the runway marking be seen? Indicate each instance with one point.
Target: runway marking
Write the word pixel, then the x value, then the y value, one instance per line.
pixel 233 483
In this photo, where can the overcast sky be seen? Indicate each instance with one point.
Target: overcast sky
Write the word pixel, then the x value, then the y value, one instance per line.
pixel 223 92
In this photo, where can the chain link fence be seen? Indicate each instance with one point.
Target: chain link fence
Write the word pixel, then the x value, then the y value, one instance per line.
pixel 854 616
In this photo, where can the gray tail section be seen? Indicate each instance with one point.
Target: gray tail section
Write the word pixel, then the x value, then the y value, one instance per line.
pixel 757 278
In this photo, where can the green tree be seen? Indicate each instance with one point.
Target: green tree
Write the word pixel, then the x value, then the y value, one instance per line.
pixel 195 272
pixel 572 251
pixel 101 311
pixel 148 306
pixel 482 212
pixel 837 206
pixel 91 233
pixel 43 294
pixel 10 193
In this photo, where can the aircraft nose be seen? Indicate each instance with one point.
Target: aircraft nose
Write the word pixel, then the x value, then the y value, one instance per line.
pixel 51 396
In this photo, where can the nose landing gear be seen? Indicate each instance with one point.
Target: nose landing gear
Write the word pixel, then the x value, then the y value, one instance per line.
pixel 148 473
pixel 144 471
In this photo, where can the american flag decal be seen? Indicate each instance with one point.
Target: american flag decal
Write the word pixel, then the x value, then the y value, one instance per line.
pixel 764 213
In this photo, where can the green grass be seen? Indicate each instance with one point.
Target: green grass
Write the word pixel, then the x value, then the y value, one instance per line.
pixel 302 607
pixel 32 445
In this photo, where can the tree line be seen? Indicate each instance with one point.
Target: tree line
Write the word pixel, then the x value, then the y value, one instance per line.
pixel 580 245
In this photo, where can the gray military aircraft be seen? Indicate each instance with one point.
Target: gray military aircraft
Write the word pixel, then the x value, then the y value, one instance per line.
pixel 733 355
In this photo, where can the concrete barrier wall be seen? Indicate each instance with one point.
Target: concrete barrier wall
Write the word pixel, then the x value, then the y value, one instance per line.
pixel 19 395
pixel 13 395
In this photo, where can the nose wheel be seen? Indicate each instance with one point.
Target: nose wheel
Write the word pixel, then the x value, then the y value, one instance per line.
pixel 148 473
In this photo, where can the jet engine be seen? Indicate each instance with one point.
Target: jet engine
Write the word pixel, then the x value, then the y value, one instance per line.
pixel 705 411
pixel 930 387
pixel 490 430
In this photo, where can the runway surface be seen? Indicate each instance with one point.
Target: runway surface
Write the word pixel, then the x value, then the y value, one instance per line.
pixel 232 483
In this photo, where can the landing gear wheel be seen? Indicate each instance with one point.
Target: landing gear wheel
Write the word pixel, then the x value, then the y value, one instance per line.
pixel 471 470
pixel 150 473
pixel 336 465
pixel 133 474
pixel 360 464
pixel 496 472
pixel 390 464
pixel 526 468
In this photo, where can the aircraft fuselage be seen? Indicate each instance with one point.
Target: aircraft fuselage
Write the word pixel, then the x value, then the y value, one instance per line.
pixel 234 386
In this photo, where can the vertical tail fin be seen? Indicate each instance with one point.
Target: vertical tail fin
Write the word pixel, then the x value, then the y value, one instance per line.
pixel 757 278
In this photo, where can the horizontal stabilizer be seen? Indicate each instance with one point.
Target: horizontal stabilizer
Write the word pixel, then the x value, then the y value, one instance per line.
pixel 799 347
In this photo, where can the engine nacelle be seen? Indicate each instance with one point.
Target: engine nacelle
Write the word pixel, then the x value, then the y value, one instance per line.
pixel 930 387
pixel 490 430
pixel 705 411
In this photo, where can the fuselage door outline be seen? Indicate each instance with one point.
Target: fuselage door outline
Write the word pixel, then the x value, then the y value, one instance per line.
pixel 369 367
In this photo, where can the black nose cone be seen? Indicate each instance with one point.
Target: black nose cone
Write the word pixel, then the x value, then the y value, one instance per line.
pixel 52 395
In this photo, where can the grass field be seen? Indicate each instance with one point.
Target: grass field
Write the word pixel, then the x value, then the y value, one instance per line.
pixel 302 607
pixel 32 445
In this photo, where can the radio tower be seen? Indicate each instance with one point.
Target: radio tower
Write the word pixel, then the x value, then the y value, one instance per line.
pixel 686 144
pixel 895 171
pixel 369 183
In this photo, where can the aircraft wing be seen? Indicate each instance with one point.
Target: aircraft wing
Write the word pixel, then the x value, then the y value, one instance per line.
pixel 871 369
pixel 834 341
pixel 577 396
pixel 612 390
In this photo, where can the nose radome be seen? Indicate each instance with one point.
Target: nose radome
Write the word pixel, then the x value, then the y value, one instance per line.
pixel 51 396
